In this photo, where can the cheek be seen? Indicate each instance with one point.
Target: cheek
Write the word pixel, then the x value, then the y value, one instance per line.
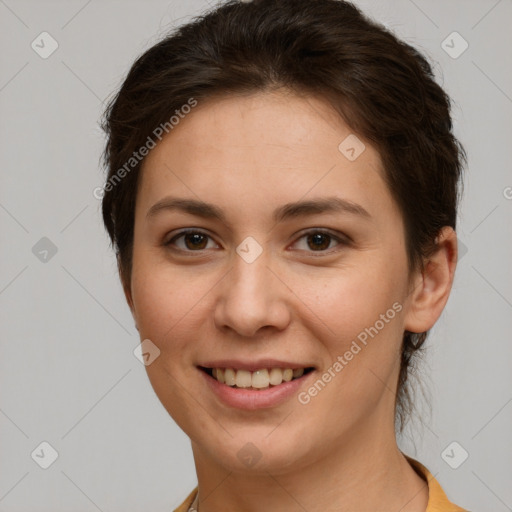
pixel 170 305
pixel 170 314
pixel 159 300
pixel 349 301
pixel 362 326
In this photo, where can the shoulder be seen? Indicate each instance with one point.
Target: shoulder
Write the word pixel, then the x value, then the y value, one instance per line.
pixel 437 499
pixel 188 501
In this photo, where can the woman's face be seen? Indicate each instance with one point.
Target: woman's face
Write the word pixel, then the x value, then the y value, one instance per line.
pixel 269 284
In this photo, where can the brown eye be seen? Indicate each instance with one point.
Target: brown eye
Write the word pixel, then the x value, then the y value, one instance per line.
pixel 321 241
pixel 195 240
pixel 192 241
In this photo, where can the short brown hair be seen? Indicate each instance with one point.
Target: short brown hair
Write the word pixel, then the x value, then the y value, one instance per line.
pixel 383 88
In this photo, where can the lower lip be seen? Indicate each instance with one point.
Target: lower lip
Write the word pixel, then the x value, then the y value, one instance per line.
pixel 252 399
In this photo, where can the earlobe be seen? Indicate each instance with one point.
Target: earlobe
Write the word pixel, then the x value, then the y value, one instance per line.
pixel 433 285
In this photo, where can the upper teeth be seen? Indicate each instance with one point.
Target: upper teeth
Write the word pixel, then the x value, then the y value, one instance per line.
pixel 258 379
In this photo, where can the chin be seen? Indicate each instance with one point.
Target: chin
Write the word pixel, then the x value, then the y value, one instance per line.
pixel 258 450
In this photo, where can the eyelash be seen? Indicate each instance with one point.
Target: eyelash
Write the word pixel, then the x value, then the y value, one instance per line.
pixel 343 241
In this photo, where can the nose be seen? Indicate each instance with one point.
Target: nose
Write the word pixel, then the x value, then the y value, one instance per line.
pixel 252 298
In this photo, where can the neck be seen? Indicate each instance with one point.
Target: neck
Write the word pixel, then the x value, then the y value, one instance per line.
pixel 366 472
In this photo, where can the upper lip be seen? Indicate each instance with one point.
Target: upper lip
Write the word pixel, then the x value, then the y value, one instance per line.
pixel 253 365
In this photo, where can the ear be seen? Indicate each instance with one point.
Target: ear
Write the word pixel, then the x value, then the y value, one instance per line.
pixel 128 295
pixel 432 286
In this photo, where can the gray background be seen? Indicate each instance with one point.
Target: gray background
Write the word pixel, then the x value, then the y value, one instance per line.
pixel 68 374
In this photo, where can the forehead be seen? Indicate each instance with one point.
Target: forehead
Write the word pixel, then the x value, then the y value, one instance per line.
pixel 275 145
pixel 238 125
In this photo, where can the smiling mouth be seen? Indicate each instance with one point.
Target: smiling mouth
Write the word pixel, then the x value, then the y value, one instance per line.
pixel 263 378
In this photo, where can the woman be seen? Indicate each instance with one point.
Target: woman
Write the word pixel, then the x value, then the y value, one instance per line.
pixel 282 199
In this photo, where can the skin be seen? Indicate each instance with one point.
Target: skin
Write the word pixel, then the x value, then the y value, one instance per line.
pixel 249 155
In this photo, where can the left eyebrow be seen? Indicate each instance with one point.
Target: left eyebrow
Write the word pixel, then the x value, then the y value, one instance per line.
pixel 282 213
pixel 317 206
